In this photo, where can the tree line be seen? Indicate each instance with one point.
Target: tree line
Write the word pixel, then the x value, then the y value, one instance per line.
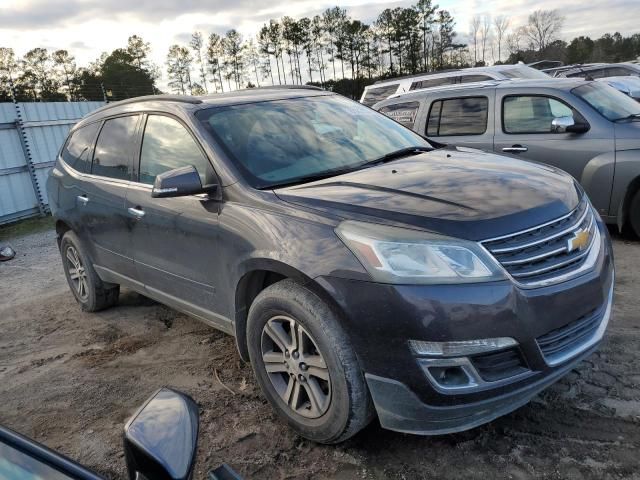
pixel 331 49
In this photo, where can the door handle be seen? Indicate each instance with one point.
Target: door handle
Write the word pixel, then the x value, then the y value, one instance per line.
pixel 515 149
pixel 136 212
pixel 82 199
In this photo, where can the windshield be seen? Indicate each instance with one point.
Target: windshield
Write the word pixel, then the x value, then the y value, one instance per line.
pixel 295 140
pixel 609 102
pixel 523 72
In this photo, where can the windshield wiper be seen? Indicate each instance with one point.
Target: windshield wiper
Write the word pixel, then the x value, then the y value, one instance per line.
pixel 632 116
pixel 403 152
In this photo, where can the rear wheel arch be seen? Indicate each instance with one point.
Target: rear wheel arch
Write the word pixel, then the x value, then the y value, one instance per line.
pixel 61 228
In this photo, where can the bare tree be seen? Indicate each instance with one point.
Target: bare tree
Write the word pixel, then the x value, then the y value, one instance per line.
pixel 475 28
pixel 196 44
pixel 514 40
pixel 501 24
pixel 485 32
pixel 544 27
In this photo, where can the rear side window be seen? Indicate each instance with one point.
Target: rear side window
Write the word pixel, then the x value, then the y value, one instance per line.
pixel 377 94
pixel 404 113
pixel 532 114
pixel 594 73
pixel 458 116
pixel 618 72
pixel 474 78
pixel 112 157
pixel 168 145
pixel 433 82
pixel 78 150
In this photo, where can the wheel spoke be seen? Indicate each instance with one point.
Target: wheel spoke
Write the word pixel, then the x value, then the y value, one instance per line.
pixel 316 396
pixel 73 273
pixel 315 361
pixel 72 257
pixel 299 336
pixel 295 394
pixel 318 372
pixel 278 335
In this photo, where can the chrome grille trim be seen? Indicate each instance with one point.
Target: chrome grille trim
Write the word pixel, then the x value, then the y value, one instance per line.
pixel 537 242
pixel 531 261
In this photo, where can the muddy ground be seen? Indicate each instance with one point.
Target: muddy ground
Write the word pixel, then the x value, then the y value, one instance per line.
pixel 71 379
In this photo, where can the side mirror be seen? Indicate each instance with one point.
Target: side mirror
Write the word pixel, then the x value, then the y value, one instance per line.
pixel 179 182
pixel 160 439
pixel 568 125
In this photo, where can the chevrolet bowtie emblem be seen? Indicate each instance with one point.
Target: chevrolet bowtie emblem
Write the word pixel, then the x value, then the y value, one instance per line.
pixel 579 241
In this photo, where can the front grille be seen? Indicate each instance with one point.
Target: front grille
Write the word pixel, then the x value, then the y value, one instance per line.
pixel 496 366
pixel 557 343
pixel 544 252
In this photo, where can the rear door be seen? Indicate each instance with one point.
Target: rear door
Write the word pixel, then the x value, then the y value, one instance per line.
pixel 175 239
pixel 460 119
pixel 523 129
pixel 105 216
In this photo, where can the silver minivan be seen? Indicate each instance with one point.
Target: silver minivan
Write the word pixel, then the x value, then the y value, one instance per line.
pixel 586 128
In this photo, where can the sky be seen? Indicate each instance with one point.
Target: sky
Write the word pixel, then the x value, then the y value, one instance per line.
pixel 88 27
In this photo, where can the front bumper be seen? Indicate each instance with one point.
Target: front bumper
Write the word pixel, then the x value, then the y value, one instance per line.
pixel 381 319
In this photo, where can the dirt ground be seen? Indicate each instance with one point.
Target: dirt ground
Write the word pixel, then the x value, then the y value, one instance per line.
pixel 70 380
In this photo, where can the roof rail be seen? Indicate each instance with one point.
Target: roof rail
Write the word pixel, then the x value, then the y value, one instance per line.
pixel 423 74
pixel 286 87
pixel 150 98
pixel 453 87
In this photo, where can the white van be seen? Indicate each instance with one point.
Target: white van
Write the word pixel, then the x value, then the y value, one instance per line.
pixel 385 88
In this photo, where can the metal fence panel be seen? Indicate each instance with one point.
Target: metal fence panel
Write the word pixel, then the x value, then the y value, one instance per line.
pixel 45 126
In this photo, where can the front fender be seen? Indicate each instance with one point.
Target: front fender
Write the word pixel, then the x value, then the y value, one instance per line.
pixel 626 183
pixel 597 180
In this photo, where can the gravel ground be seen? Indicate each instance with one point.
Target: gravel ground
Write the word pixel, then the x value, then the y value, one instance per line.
pixel 71 379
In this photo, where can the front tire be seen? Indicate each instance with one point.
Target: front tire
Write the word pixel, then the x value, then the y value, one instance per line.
pixel 87 288
pixel 305 365
pixel 634 214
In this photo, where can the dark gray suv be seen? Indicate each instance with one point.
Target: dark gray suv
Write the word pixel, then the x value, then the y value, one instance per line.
pixel 360 269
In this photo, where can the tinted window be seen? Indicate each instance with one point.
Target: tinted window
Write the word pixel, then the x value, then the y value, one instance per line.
pixel 458 116
pixel 474 78
pixel 433 82
pixel 404 113
pixel 112 157
pixel 593 73
pixel 377 94
pixel 79 148
pixel 618 72
pixel 296 140
pixel 167 145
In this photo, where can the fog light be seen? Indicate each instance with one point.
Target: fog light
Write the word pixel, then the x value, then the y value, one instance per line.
pixel 450 376
pixel 460 348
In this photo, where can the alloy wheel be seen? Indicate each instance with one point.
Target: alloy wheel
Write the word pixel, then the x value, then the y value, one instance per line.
pixel 296 367
pixel 77 273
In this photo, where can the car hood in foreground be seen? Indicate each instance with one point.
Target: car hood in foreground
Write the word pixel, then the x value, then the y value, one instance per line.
pixel 454 191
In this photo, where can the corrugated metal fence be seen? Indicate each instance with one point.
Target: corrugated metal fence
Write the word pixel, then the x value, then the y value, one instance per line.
pixel 30 136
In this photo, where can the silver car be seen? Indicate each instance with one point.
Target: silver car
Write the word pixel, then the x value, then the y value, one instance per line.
pixel 586 128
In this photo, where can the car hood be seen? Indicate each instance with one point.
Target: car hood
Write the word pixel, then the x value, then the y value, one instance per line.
pixel 459 192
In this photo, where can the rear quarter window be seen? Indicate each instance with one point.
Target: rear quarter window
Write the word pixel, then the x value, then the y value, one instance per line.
pixel 78 150
pixel 377 94
pixel 404 113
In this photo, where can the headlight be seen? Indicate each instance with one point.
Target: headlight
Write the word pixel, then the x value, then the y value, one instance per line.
pixel 403 256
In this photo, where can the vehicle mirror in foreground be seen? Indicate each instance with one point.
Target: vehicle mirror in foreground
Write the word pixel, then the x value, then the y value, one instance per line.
pixel 224 472
pixel 160 439
pixel 178 183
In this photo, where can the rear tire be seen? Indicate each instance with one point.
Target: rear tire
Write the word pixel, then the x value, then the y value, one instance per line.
pixel 88 289
pixel 332 402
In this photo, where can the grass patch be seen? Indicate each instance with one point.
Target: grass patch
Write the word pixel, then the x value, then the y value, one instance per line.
pixel 26 227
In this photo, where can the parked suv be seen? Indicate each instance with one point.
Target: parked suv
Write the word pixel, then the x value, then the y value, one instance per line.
pixel 359 269
pixel 382 89
pixel 588 129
